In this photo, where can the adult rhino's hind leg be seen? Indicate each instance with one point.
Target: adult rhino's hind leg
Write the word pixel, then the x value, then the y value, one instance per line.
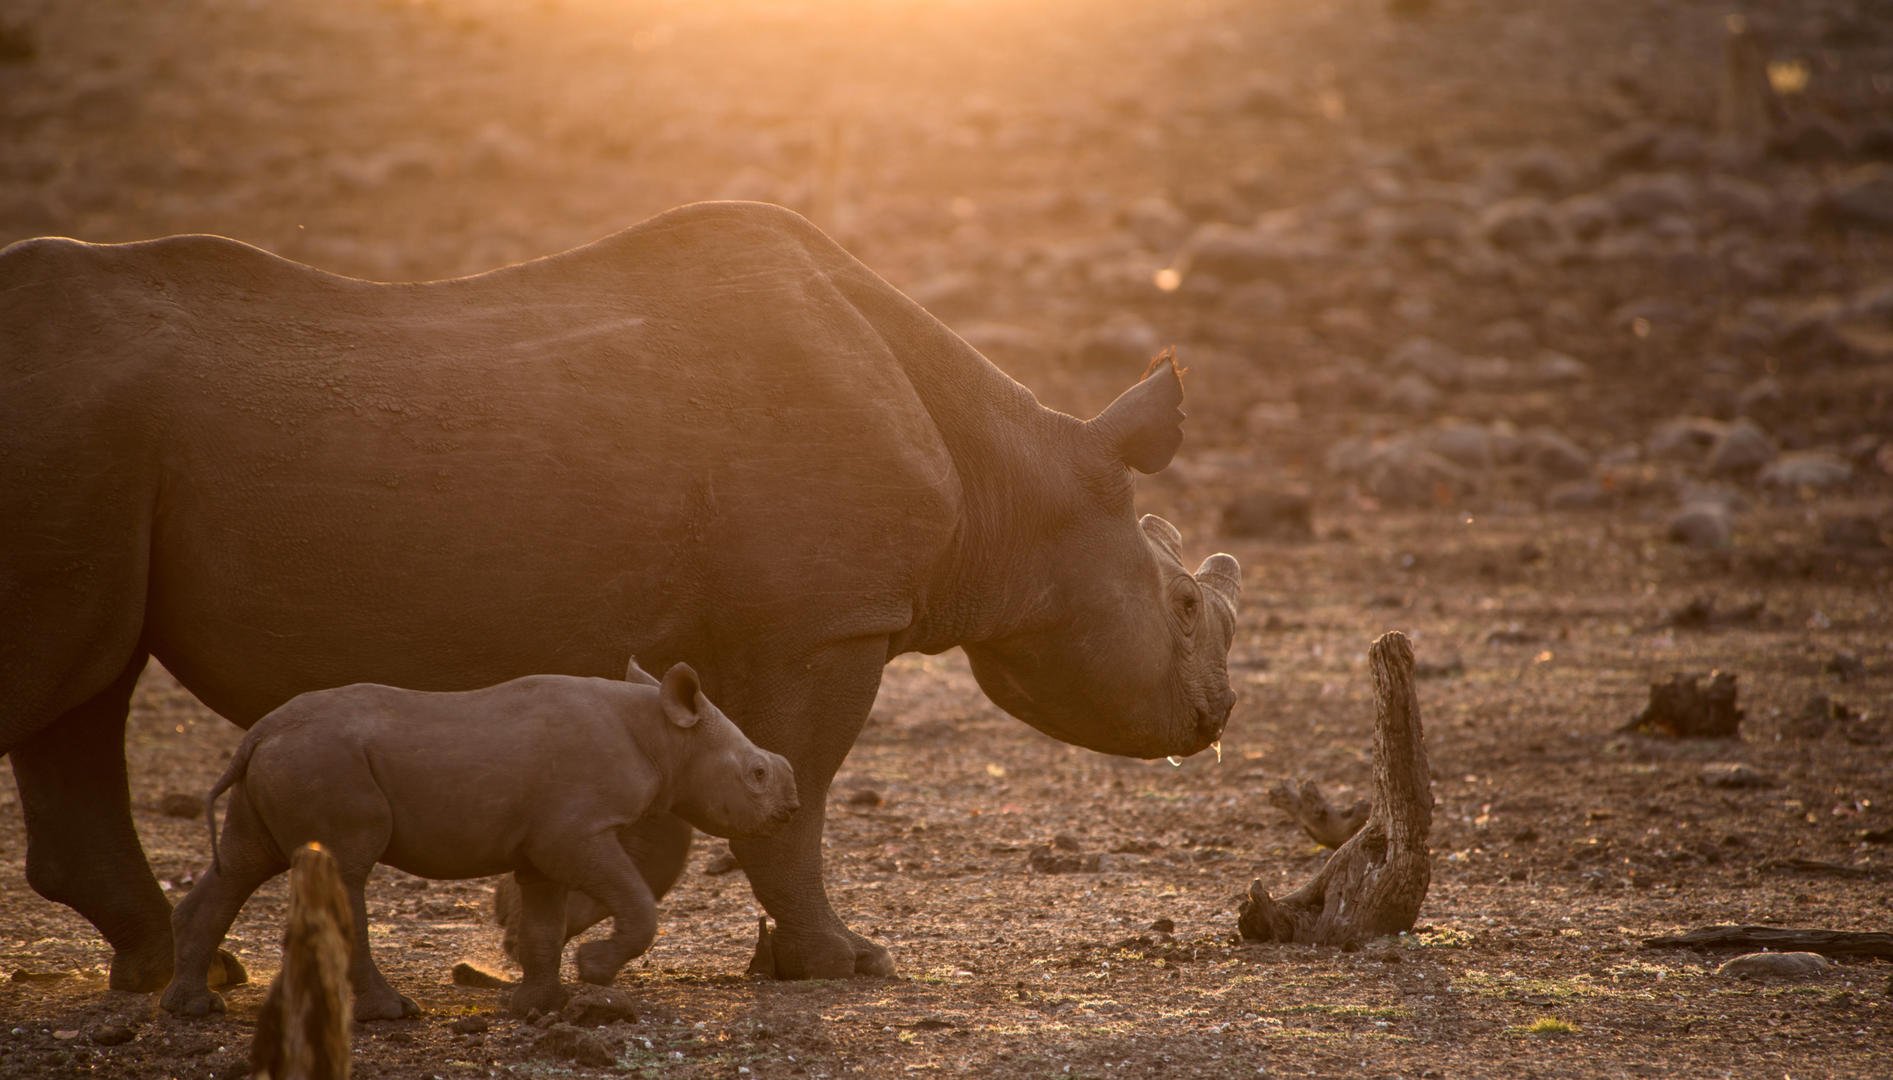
pixel 810 713
pixel 81 847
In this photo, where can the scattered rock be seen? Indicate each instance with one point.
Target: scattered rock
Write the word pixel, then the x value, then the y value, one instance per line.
pixel 596 1006
pixel 1400 472
pixel 1844 666
pixel 1775 965
pixel 1231 253
pixel 1164 926
pixel 22 975
pixel 865 798
pixel 1424 356
pixel 1735 774
pixel 1411 393
pixel 1682 707
pixel 181 805
pixel 465 974
pixel 574 1044
pixel 1553 454
pixel 1735 201
pixel 112 1033
pixel 1156 222
pixel 723 862
pixel 469 1025
pixel 1701 525
pixel 1046 859
pixel 1585 217
pixel 1686 438
pixel 1742 448
pixel 1760 399
pixel 1650 196
pixel 1450 668
pixel 1557 369
pixel 1122 342
pixel 1812 470
pixel 1270 515
pixel 1579 495
pixel 1522 224
pixel 1862 199
pixel 1701 613
pixel 1809 138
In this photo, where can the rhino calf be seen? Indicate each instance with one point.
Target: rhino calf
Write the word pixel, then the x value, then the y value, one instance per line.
pixel 538 776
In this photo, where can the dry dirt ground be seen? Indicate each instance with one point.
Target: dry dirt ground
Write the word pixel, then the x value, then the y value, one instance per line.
pixel 1548 362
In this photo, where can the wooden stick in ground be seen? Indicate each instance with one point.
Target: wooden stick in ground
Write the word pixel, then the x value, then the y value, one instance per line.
pixel 1375 883
pixel 302 1031
pixel 1780 939
pixel 1324 824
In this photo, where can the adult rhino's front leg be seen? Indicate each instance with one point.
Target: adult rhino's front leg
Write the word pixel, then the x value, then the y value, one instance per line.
pixel 810 712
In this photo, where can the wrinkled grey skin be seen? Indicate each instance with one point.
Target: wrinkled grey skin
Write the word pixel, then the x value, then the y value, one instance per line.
pixel 538 776
pixel 714 435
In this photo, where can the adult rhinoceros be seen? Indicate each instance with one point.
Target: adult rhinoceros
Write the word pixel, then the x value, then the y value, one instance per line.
pixel 714 436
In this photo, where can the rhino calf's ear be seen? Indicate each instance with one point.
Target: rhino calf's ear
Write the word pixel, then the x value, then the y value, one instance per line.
pixel 636 675
pixel 1144 426
pixel 681 696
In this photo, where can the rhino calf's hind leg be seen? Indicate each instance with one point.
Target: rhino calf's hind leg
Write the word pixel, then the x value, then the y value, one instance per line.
pixel 246 858
pixel 81 847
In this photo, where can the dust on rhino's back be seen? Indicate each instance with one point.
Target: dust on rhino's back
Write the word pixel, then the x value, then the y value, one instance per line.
pixel 687 417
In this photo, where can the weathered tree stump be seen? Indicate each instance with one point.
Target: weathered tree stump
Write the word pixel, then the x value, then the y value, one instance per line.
pixel 302 1032
pixel 1310 809
pixel 1683 708
pixel 1375 883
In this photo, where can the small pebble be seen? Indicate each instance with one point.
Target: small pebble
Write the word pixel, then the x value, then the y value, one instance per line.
pixel 469 1025
pixel 112 1033
pixel 1735 774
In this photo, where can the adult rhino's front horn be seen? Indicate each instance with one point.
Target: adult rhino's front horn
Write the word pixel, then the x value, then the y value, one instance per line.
pixel 1221 577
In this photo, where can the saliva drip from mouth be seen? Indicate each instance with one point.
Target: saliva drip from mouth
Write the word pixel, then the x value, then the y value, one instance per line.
pixel 1177 762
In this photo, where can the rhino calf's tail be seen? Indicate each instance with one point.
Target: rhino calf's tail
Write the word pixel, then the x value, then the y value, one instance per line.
pixel 239 764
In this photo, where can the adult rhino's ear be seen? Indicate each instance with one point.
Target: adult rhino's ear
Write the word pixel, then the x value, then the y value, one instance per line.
pixel 681 696
pixel 637 676
pixel 1144 426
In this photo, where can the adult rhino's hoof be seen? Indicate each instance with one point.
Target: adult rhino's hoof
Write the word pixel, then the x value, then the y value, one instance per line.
pixel 142 970
pixel 386 1005
pixel 199 1002
pixel 785 955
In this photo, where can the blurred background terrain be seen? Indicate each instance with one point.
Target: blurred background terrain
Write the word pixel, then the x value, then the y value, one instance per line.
pixel 1559 335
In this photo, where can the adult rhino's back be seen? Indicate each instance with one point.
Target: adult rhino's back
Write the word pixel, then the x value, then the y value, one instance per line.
pixel 679 434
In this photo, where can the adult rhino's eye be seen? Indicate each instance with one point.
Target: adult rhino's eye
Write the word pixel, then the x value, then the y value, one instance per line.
pixel 758 774
pixel 1187 601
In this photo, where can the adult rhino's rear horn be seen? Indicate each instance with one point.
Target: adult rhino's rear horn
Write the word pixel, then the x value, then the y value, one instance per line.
pixel 1221 576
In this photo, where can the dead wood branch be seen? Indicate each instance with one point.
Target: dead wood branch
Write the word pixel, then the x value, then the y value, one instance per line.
pixel 1376 882
pixel 302 1032
pixel 1311 810
pixel 1781 939
pixel 1683 707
